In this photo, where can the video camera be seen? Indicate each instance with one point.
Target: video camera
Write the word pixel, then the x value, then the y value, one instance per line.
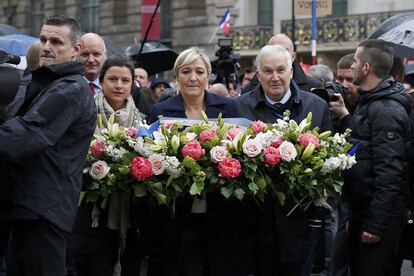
pixel 226 65
pixel 328 92
pixel 9 79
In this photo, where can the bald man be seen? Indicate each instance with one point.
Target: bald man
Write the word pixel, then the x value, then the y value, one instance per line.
pixel 93 53
pixel 219 89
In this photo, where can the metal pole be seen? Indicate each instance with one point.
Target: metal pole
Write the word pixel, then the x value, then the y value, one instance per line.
pixel 293 26
pixel 314 34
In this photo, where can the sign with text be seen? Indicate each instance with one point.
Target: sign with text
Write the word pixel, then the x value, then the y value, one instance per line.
pixel 304 7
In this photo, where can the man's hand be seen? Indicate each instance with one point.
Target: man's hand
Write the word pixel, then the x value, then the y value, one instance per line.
pixel 338 107
pixel 369 238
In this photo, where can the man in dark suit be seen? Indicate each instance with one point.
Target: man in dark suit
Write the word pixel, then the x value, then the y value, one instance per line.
pixel 282 237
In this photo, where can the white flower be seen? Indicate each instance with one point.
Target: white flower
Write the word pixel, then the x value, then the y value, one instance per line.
pixel 287 151
pixel 113 130
pixel 157 162
pixel 190 136
pixel 143 148
pixel 171 166
pixel 252 148
pixel 115 153
pixel 99 170
pixel 265 139
pixel 218 153
pixel 175 142
pixel 330 164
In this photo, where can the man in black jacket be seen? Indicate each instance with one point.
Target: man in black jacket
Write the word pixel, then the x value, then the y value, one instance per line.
pixel 374 188
pixel 44 140
pixel 282 239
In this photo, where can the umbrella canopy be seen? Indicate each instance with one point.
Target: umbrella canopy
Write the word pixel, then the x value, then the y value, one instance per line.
pixel 8 30
pixel 112 48
pixel 398 30
pixel 17 43
pixel 155 57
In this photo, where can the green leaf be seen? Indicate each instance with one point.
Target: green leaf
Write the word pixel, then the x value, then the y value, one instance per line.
pixel 281 197
pixel 253 187
pixel 251 165
pixel 239 193
pixel 161 198
pixel 124 170
pixel 81 197
pixel 139 190
pixel 226 191
pixel 104 202
pixel 261 183
pixel 92 196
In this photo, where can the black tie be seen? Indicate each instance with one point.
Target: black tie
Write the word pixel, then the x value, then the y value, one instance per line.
pixel 279 108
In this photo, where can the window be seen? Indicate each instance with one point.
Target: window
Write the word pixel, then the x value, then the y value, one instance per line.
pixel 90 16
pixel 265 12
pixel 37 16
pixel 166 21
pixel 120 12
pixel 339 7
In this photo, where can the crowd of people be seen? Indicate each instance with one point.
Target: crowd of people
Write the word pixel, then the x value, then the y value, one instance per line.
pixel 46 131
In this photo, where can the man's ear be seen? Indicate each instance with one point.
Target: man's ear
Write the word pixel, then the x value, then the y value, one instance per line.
pixel 76 51
pixel 293 56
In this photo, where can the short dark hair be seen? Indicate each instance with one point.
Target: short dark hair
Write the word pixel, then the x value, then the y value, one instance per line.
pixel 345 62
pixel 116 61
pixel 379 54
pixel 63 20
pixel 397 70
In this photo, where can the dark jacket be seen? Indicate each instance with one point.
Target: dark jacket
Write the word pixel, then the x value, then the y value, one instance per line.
pixel 47 142
pixel 174 107
pixel 380 125
pixel 305 83
pixel 255 107
pixel 279 238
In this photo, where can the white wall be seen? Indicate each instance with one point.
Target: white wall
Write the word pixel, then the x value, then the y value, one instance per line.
pixel 282 10
pixel 373 6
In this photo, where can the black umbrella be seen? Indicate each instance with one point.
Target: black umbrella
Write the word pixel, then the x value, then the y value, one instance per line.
pixel 113 49
pixel 155 57
pixel 8 30
pixel 398 30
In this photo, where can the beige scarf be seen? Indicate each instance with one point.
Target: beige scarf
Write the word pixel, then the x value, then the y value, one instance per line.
pixel 119 203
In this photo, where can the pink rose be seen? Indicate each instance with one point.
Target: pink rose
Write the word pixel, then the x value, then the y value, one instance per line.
pixel 157 162
pixel 97 148
pixel 271 156
pixel 193 149
pixel 258 126
pixel 229 168
pixel 207 134
pixel 99 170
pixel 141 168
pixel 233 132
pixel 276 143
pixel 168 125
pixel 287 151
pixel 218 153
pixel 306 138
pixel 252 148
pixel 132 132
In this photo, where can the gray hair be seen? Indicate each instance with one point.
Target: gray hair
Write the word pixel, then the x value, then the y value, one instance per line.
pixel 188 56
pixel 321 72
pixel 273 50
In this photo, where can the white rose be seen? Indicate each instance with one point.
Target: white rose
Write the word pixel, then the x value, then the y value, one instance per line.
pixel 99 170
pixel 218 153
pixel 287 151
pixel 157 162
pixel 252 148
pixel 191 136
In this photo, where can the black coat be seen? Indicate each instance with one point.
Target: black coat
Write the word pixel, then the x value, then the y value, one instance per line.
pixel 174 107
pixel 46 144
pixel 255 107
pixel 374 187
pixel 280 238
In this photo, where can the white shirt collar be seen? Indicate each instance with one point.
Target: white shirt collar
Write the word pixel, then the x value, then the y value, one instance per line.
pixel 284 99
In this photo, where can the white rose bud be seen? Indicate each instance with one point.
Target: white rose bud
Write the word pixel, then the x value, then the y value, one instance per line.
pixel 252 148
pixel 287 151
pixel 158 164
pixel 175 142
pixel 218 153
pixel 99 170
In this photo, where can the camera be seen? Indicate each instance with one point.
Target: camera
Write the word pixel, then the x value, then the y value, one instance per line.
pixel 329 90
pixel 226 65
